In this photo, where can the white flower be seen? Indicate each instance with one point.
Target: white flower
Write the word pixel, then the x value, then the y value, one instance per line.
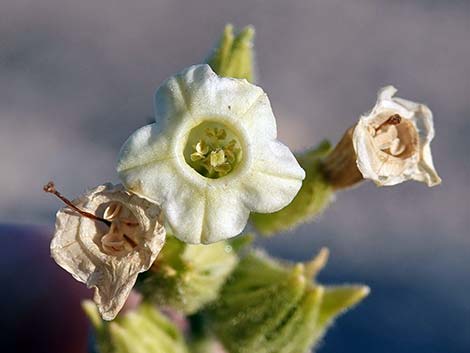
pixel 211 157
pixel 108 258
pixel 392 142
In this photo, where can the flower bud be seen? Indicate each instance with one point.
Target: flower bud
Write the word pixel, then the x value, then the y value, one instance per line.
pixel 187 277
pixel 142 330
pixel 267 306
pixel 234 55
pixel 256 299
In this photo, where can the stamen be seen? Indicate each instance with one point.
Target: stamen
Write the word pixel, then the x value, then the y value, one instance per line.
pixel 50 188
pixel 396 147
pixel 215 154
pixel 217 158
pixel 394 119
pixel 386 136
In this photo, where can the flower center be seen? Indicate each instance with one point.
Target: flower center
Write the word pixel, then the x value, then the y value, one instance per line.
pixel 396 136
pixel 122 235
pixel 213 150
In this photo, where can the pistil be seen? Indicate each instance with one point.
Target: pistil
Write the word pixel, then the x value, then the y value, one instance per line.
pixel 50 188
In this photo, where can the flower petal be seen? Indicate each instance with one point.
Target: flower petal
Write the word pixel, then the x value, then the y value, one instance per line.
pixel 199 91
pixel 275 179
pixel 245 103
pixel 200 215
pixel 225 215
pixel 423 120
pixel 113 286
pixel 183 203
pixel 145 146
pixel 184 94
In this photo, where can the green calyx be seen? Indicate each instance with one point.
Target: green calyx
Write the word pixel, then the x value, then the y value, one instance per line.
pixel 187 277
pixel 144 330
pixel 315 194
pixel 233 56
pixel 270 307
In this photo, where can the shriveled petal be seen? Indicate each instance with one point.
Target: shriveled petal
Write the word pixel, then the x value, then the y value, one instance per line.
pixel 423 121
pixel 81 257
pixel 275 179
pixel 386 104
pixel 113 286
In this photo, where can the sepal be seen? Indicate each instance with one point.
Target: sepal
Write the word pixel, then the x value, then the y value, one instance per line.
pixel 234 54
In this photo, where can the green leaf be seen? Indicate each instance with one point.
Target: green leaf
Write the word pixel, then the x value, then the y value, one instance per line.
pixel 234 55
pixel 314 195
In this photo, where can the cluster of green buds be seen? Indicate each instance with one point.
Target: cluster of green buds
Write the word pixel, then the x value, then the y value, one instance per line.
pixel 186 277
pixel 273 307
pixel 210 164
pixel 144 330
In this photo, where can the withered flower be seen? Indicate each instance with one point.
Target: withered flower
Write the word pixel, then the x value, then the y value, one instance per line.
pixel 389 145
pixel 104 239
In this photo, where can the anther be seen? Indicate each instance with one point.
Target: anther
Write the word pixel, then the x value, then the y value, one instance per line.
pixel 395 119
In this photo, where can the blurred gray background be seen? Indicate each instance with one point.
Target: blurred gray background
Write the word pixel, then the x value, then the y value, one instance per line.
pixel 78 77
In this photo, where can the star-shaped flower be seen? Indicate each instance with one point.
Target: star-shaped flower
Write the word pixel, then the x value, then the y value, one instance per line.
pixel 211 157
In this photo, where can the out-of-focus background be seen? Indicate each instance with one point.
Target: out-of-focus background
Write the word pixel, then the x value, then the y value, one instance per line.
pixel 77 77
